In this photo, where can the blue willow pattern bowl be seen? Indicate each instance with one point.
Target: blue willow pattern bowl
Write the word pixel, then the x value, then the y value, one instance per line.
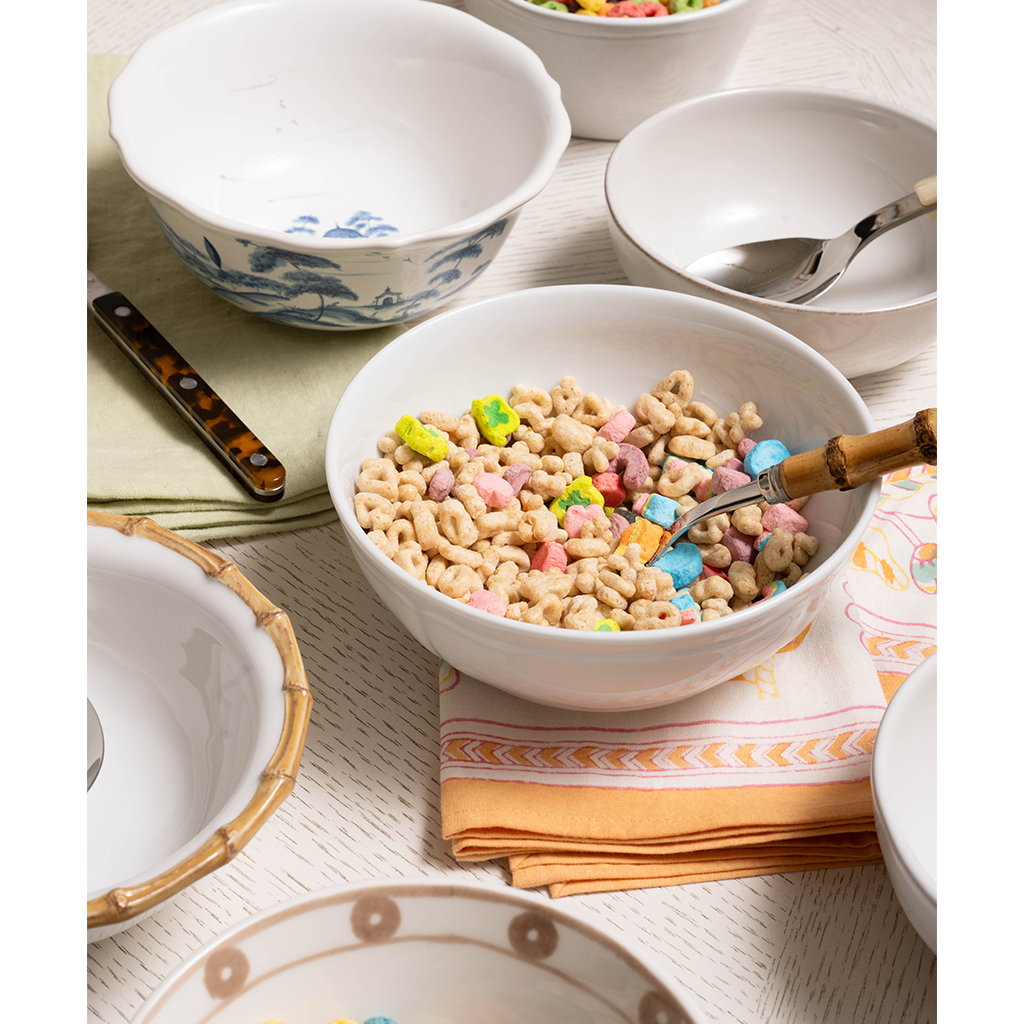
pixel 317 163
pixel 344 291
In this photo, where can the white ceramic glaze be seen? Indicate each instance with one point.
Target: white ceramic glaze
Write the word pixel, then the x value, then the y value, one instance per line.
pixel 619 341
pixel 336 164
pixel 188 689
pixel 420 952
pixel 904 773
pixel 617 72
pixel 776 163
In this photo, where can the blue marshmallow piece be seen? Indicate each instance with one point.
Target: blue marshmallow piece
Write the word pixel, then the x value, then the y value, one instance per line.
pixel 762 455
pixel 685 603
pixel 661 510
pixel 682 562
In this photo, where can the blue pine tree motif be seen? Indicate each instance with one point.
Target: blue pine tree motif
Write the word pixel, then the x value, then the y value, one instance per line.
pixel 265 258
pixel 446 276
pixel 303 225
pixel 467 252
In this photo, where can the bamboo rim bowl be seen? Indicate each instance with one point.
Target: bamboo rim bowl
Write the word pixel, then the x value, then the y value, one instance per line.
pixel 419 949
pixel 619 341
pixel 200 688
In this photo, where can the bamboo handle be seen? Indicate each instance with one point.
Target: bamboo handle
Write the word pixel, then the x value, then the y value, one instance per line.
pixel 846 461
pixel 927 190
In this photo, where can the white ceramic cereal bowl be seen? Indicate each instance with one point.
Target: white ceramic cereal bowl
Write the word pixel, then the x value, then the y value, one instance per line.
pixel 904 772
pixel 337 164
pixel 200 691
pixel 619 341
pixel 418 952
pixel 785 162
pixel 617 72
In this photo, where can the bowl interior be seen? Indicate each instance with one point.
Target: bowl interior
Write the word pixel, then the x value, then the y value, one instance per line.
pixel 619 342
pixel 905 773
pixel 338 119
pixel 762 164
pixel 464 954
pixel 189 694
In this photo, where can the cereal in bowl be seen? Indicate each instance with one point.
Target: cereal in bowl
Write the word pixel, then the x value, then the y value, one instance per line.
pixel 545 507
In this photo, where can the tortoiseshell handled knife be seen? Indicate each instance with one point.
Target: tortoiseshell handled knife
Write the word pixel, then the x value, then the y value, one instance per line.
pixel 249 460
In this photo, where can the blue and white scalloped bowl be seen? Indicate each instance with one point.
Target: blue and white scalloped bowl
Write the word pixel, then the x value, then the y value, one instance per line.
pixel 337 164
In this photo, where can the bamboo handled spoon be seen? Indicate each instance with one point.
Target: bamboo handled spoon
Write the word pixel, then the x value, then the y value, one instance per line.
pixel 842 463
pixel 797 270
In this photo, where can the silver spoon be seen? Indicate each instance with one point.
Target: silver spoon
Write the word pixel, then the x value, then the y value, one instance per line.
pixel 94 744
pixel 799 269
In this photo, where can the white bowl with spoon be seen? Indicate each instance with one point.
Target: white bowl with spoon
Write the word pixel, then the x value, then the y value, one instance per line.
pixel 781 162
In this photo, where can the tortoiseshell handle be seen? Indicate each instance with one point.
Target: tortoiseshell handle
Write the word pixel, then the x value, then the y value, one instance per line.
pixel 251 462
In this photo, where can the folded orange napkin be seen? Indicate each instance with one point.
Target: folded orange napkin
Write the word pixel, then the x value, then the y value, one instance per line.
pixel 765 773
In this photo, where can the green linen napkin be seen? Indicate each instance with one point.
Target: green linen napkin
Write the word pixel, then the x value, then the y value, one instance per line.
pixel 283 382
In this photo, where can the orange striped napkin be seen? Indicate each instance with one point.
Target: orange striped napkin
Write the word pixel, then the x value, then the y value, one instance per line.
pixel 766 773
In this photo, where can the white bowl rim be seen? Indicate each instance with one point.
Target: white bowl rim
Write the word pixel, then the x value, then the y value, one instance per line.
pixel 792 91
pixel 924 675
pixel 583 916
pixel 544 635
pixel 533 71
pixel 647 23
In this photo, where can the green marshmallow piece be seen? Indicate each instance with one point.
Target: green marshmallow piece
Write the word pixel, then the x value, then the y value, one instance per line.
pixel 495 418
pixel 421 438
pixel 580 492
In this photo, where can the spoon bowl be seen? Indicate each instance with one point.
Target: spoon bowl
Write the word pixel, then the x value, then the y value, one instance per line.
pixel 94 745
pixel 800 269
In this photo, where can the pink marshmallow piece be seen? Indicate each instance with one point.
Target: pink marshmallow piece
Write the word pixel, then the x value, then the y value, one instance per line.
pixel 710 570
pixel 631 464
pixel 736 464
pixel 740 546
pixel 618 426
pixel 517 475
pixel 782 517
pixel 611 488
pixel 441 483
pixel 724 479
pixel 488 602
pixel 689 617
pixel 496 493
pixel 550 555
pixel 577 515
pixel 702 491
pixel 618 524
pixel 744 446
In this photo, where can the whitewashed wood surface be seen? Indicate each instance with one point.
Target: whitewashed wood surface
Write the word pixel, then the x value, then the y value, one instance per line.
pixel 818 947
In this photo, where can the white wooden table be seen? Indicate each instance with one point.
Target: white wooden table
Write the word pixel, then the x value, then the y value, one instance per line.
pixel 817 947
